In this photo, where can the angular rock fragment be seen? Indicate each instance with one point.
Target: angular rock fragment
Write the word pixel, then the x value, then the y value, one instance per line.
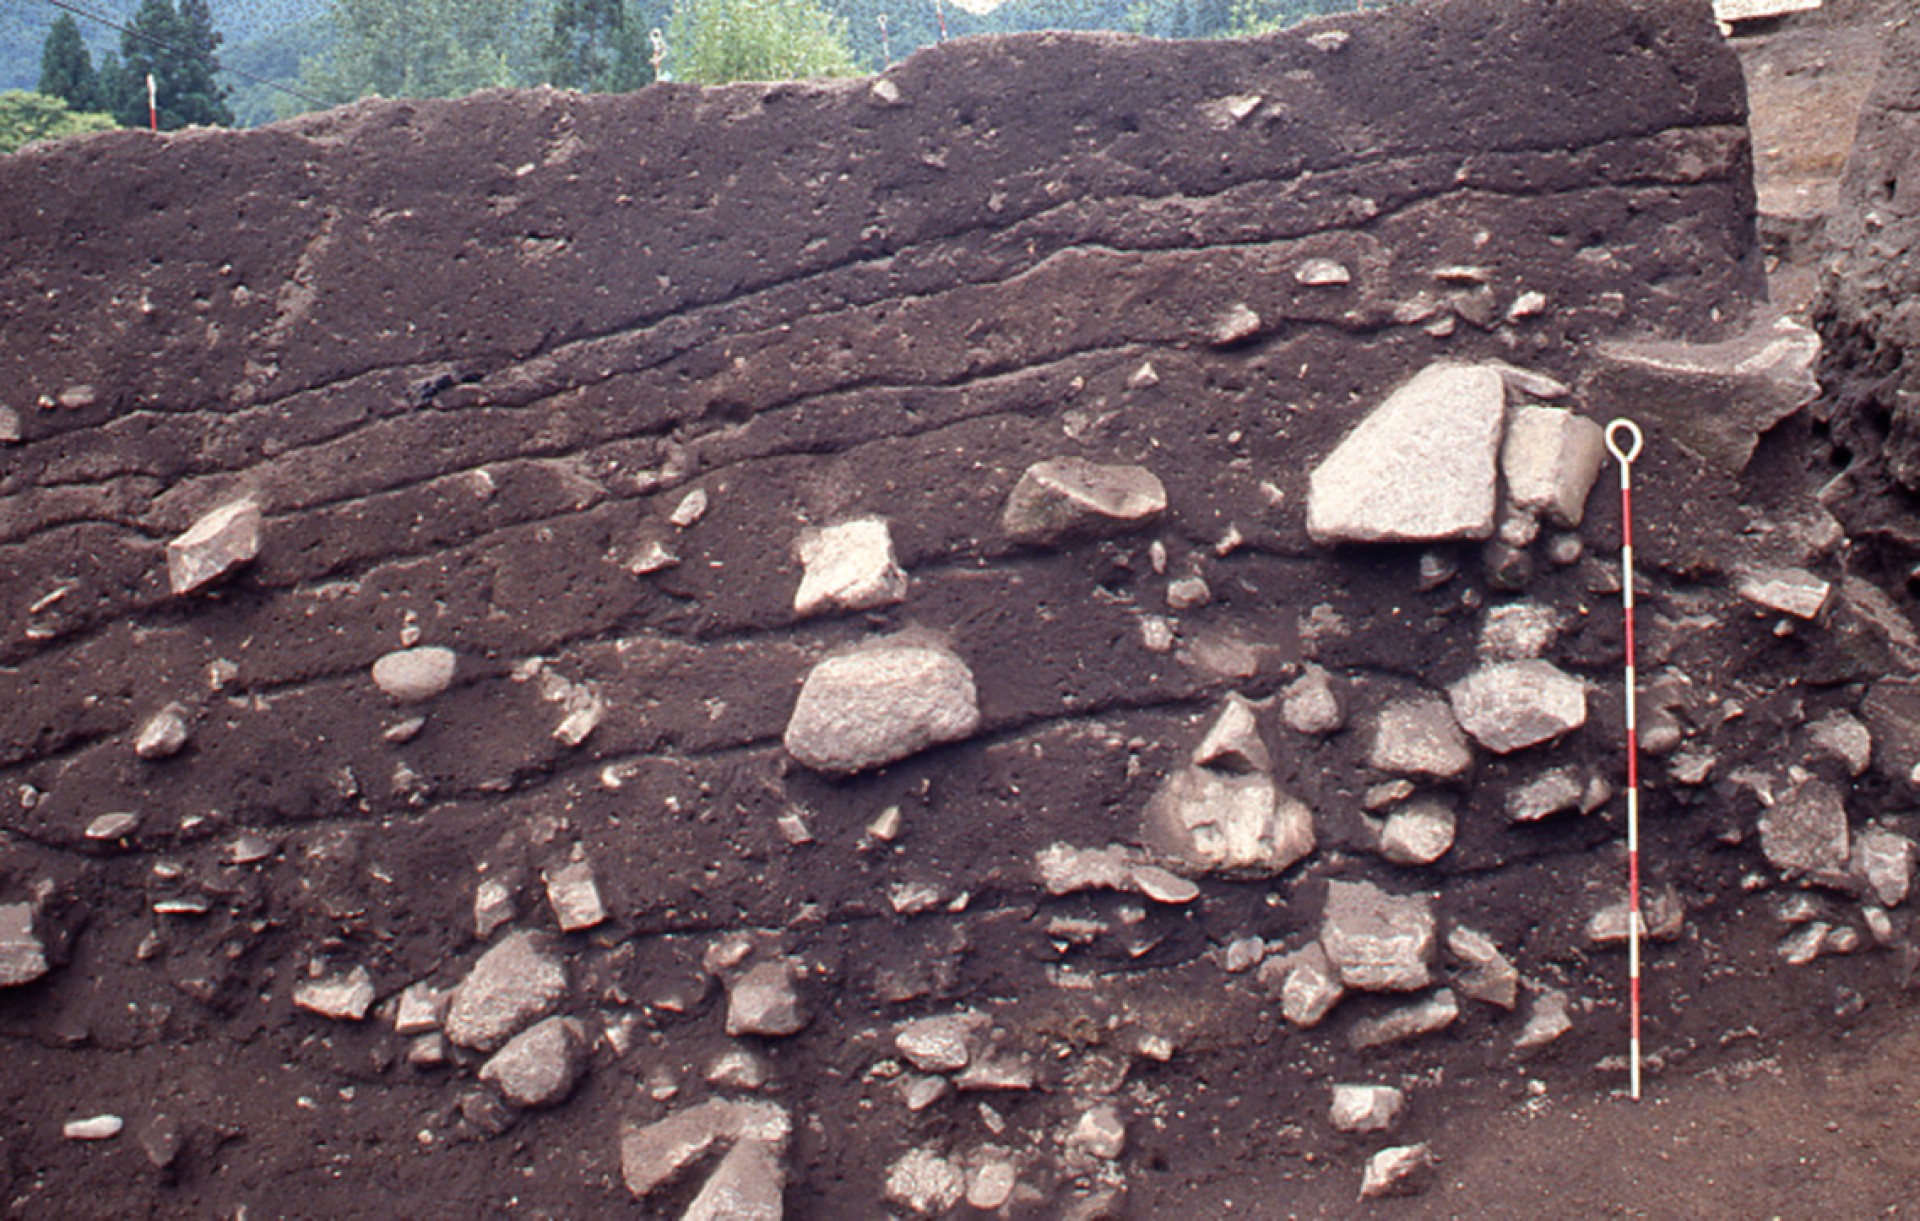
pixel 1071 498
pixel 1663 917
pixel 1435 1013
pixel 848 567
pixel 1550 792
pixel 943 1044
pixel 764 1001
pixel 1206 822
pixel 23 955
pixel 1806 830
pixel 163 735
pixel 1099 1132
pixel 1233 743
pixel 409 676
pixel 1548 1018
pixel 1551 459
pixel 749 1184
pixel 539 1066
pixel 1715 400
pixel 9 426
pixel 1237 325
pixel 1790 591
pixel 1489 976
pixel 1419 737
pixel 1310 705
pixel 1066 870
pixel 1308 985
pixel 925 1182
pixel 1378 942
pixel 513 984
pixel 421 1008
pixel 1403 1170
pixel 1420 468
pixel 493 906
pixel 113 826
pixel 217 543
pixel 1517 631
pixel 1883 861
pixel 574 895
pixel 1512 705
pixel 880 704
pixel 344 998
pixel 1365 1108
pixel 1418 833
pixel 653 1156
pixel 1845 738
pixel 1322 273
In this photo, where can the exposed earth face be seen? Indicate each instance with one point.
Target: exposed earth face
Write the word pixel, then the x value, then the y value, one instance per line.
pixel 969 642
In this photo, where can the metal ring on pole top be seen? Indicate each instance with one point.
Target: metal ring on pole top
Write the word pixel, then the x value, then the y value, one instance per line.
pixel 1624 454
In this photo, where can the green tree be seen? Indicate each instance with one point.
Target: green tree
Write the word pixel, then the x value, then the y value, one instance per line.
pixel 715 41
pixel 26 117
pixel 427 48
pixel 179 48
pixel 66 68
pixel 599 45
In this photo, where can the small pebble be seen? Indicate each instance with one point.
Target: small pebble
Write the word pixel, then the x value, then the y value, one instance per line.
pixel 99 1127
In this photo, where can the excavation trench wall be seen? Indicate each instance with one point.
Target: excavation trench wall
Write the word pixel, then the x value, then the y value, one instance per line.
pixel 480 364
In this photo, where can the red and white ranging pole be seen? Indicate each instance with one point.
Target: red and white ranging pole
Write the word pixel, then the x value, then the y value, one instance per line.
pixel 1623 442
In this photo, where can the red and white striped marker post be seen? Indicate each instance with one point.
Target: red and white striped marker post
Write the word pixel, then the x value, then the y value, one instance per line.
pixel 153 105
pixel 1623 442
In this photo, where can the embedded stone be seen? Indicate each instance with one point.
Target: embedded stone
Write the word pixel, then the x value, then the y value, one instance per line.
pixel 943 1044
pixel 848 567
pixel 1489 976
pixel 1309 986
pixel 539 1066
pixel 1402 1170
pixel 574 895
pixel 1551 459
pixel 1550 792
pixel 749 1184
pixel 1512 705
pixel 1844 738
pixel 1884 862
pixel 512 985
pixel 1421 467
pixel 1099 1132
pixel 1365 1108
pixel 1237 325
pixel 925 1182
pixel 1245 825
pixel 1806 830
pixel 1419 737
pixel 1517 631
pixel 764 1001
pixel 344 998
pixel 655 1155
pixel 23 955
pixel 163 735
pixel 1233 743
pixel 215 545
pixel 1069 498
pixel 1310 705
pixel 1322 273
pixel 1418 833
pixel 1790 591
pixel 1429 1016
pixel 880 704
pixel 408 676
pixel 1548 1018
pixel 1378 942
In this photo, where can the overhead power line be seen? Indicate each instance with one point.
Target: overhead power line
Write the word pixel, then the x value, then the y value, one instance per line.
pixel 167 46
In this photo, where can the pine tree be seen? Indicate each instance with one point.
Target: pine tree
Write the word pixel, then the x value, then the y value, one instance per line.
pixel 179 48
pixel 596 45
pixel 66 69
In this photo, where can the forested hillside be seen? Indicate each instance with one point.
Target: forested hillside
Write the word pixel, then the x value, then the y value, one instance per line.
pixel 454 46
